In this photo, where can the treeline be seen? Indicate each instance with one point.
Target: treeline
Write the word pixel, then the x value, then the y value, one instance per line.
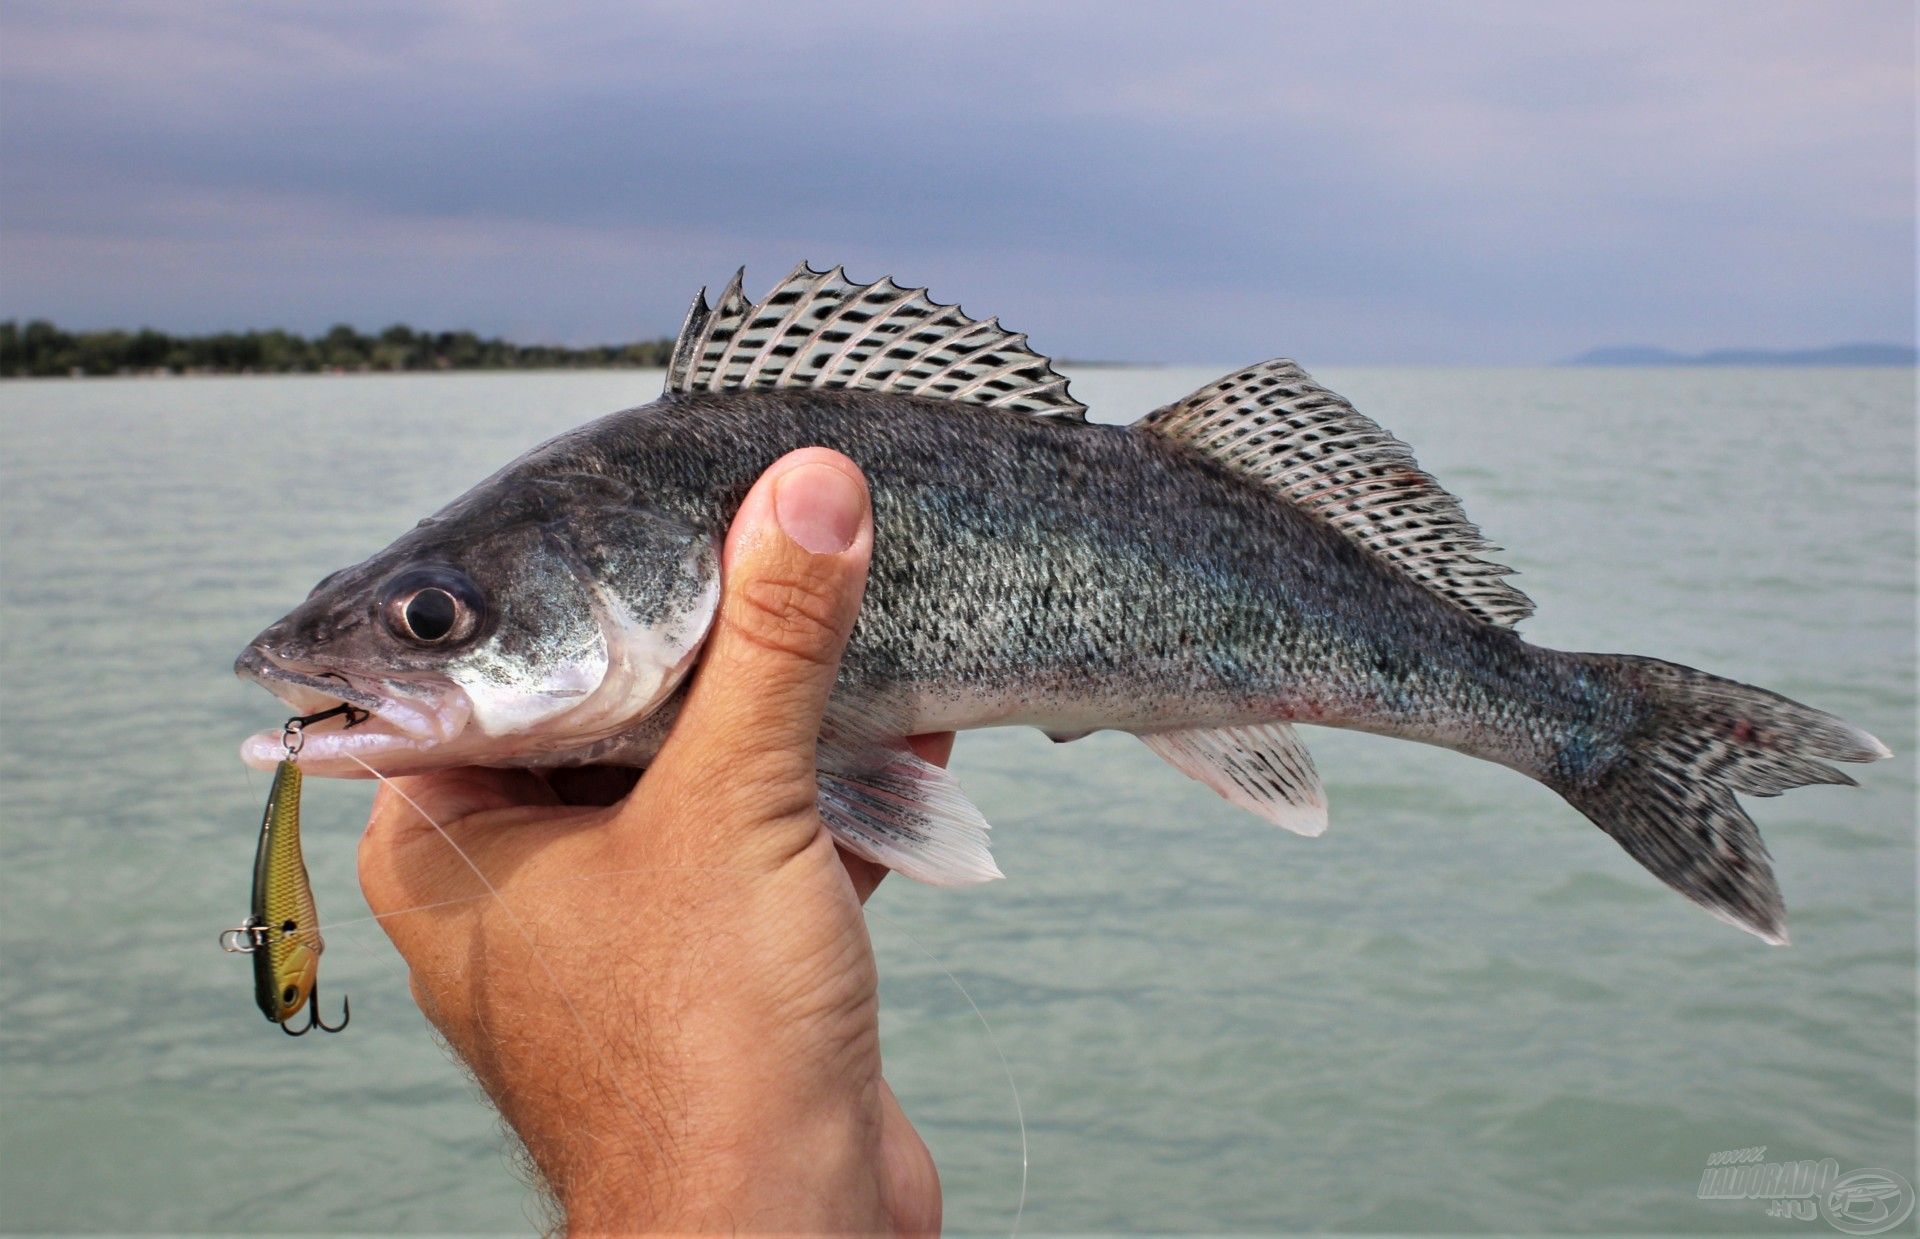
pixel 40 349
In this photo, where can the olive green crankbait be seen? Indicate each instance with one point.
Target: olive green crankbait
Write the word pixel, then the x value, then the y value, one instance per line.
pixel 282 931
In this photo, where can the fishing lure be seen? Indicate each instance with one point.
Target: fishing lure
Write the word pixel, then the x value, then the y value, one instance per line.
pixel 282 930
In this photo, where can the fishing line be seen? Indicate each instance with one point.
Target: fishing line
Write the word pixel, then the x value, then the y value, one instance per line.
pixel 1019 1114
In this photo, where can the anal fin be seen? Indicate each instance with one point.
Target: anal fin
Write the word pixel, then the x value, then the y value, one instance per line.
pixel 1263 768
pixel 909 815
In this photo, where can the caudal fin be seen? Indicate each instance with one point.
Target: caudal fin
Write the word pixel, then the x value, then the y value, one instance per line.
pixel 1670 798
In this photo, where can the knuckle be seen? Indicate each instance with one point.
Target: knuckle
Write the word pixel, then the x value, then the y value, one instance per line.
pixel 761 779
pixel 773 792
pixel 742 763
pixel 797 617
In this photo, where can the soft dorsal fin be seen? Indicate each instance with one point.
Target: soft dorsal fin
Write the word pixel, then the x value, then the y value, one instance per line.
pixel 820 329
pixel 1275 426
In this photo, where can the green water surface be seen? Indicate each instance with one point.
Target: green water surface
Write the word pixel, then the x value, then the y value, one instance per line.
pixel 1463 1009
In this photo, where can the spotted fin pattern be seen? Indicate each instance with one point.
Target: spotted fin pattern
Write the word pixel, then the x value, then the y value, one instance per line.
pixel 1273 425
pixel 820 329
pixel 1668 794
pixel 1263 769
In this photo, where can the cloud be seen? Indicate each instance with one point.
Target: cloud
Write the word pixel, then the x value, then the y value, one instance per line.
pixel 1371 181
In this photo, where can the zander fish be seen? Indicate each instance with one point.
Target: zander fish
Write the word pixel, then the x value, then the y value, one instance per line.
pixel 1251 557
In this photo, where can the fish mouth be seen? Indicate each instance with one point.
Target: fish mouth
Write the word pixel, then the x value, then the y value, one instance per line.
pixel 404 719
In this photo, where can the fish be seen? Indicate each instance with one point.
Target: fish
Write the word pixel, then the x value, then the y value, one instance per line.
pixel 1253 557
pixel 282 929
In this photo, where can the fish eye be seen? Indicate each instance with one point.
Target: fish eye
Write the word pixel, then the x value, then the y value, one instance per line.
pixel 288 994
pixel 431 606
pixel 430 614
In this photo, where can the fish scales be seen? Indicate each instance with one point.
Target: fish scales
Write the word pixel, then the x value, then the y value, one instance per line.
pixel 1015 570
pixel 1256 555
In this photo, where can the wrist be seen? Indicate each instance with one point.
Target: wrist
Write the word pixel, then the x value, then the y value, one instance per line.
pixel 771 1165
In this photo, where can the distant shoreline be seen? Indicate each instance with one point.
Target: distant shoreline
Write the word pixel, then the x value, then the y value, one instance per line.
pixel 39 349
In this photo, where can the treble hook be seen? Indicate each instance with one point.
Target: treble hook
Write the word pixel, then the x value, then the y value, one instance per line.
pixel 313 1015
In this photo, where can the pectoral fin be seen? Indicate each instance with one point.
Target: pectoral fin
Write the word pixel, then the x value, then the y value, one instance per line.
pixel 1263 768
pixel 906 814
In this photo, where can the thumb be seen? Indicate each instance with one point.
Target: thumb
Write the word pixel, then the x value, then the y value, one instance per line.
pixel 794 568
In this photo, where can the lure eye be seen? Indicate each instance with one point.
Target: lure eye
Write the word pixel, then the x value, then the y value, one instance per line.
pixel 288 994
pixel 431 606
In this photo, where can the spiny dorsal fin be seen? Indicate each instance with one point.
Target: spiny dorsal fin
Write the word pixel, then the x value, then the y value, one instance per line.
pixel 1275 426
pixel 820 329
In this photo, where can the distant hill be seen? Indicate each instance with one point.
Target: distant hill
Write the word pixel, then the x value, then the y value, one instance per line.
pixel 1836 355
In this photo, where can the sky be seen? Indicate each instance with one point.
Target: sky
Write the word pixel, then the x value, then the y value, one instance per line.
pixel 1350 182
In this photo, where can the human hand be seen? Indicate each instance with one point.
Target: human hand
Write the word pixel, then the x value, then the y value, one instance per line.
pixel 673 998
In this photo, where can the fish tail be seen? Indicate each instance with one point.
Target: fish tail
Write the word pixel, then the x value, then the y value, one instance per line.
pixel 1665 786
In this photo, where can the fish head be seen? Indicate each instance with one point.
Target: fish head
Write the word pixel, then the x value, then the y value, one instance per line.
pixel 533 616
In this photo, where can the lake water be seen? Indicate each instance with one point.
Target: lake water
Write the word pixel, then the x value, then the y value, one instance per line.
pixel 1462 1009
